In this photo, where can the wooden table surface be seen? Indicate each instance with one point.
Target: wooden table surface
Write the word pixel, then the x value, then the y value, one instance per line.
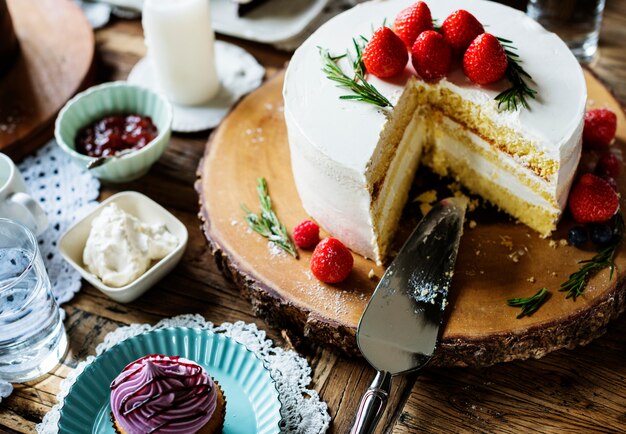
pixel 579 390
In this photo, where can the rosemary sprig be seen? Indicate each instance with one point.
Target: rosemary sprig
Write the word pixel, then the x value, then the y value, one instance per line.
pixel 363 91
pixel 266 223
pixel 519 90
pixel 577 281
pixel 529 305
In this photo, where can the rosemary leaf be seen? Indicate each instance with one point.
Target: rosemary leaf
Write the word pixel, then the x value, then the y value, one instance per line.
pixel 266 223
pixel 358 85
pixel 520 91
pixel 529 305
pixel 577 281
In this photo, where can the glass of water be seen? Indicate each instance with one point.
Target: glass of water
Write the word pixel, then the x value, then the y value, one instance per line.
pixel 577 22
pixel 32 336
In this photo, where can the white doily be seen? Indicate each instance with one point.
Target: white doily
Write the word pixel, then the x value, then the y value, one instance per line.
pixel 303 412
pixel 66 192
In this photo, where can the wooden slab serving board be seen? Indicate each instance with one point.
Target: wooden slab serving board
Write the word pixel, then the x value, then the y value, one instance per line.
pixel 56 54
pixel 498 259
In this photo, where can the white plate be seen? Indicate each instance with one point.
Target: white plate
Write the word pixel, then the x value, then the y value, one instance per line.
pixel 239 73
pixel 272 22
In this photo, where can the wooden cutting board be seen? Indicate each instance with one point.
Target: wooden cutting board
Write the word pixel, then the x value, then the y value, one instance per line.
pixel 498 259
pixel 56 54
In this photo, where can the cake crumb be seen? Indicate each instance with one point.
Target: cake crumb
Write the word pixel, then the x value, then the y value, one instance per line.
pixel 563 242
pixel 553 244
pixel 477 252
pixel 472 224
pixel 554 274
pixel 473 204
pixel 371 274
pixel 506 241
pixel 454 186
pixel 425 208
pixel 531 279
pixel 429 196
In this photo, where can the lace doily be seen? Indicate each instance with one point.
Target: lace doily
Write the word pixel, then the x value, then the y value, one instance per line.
pixel 302 412
pixel 66 192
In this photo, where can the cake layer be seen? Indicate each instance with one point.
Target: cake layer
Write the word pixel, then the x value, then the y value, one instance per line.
pixel 343 152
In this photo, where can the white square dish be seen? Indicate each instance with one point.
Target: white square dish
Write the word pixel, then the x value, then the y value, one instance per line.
pixel 72 244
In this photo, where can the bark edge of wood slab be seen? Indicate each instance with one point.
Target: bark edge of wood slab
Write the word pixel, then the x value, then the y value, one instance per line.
pixel 251 142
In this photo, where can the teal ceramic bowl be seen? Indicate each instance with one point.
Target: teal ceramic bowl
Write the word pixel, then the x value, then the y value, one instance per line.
pixel 110 98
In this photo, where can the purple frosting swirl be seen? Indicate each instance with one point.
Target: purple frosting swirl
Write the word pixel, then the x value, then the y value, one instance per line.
pixel 162 394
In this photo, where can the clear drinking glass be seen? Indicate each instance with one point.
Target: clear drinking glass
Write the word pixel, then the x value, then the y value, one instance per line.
pixel 577 22
pixel 32 336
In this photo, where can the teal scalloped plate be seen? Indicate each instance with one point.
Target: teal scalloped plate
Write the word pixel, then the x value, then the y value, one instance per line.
pixel 252 403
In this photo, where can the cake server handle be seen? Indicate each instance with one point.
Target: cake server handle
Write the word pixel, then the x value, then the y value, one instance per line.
pixel 373 404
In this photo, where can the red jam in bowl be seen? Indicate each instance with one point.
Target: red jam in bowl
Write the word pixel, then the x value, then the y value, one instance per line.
pixel 112 134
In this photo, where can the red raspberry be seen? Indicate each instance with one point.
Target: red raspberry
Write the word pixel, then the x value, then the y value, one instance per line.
pixel 385 54
pixel 609 165
pixel 460 29
pixel 331 261
pixel 412 21
pixel 431 56
pixel 593 200
pixel 306 234
pixel 600 128
pixel 485 61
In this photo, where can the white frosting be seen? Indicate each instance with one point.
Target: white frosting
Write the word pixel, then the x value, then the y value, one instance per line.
pixel 120 248
pixel 335 140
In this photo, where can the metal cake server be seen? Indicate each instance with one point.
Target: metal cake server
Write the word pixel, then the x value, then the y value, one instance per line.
pixel 399 330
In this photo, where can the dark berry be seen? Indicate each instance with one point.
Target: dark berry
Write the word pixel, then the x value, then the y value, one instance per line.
pixel 609 165
pixel 612 182
pixel 601 234
pixel 577 236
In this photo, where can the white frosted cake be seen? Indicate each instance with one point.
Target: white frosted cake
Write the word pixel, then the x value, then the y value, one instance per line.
pixel 354 163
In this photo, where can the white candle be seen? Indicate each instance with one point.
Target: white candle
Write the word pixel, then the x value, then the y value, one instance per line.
pixel 180 40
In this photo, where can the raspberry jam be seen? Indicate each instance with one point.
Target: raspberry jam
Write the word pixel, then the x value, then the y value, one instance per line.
pixel 115 133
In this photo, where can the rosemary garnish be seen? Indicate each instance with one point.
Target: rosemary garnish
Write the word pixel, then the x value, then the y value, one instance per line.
pixel 577 281
pixel 266 223
pixel 529 305
pixel 519 90
pixel 363 91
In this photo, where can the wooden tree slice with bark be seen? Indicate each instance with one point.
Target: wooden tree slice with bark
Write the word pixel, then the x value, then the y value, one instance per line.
pixel 56 54
pixel 498 258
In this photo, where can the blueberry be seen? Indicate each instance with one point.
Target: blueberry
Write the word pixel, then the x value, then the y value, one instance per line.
pixel 577 236
pixel 601 234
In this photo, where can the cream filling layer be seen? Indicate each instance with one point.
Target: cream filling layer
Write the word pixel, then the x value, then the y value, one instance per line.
pixel 387 210
pixel 505 173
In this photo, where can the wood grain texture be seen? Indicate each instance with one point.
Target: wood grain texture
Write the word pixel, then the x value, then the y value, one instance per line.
pixel 567 391
pixel 56 54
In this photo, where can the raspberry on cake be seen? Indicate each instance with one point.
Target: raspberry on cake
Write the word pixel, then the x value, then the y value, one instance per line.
pixel 354 162
pixel 159 393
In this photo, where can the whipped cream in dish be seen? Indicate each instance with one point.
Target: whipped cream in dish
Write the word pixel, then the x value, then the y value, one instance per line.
pixel 121 248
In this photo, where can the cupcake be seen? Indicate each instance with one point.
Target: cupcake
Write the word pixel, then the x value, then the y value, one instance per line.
pixel 163 394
